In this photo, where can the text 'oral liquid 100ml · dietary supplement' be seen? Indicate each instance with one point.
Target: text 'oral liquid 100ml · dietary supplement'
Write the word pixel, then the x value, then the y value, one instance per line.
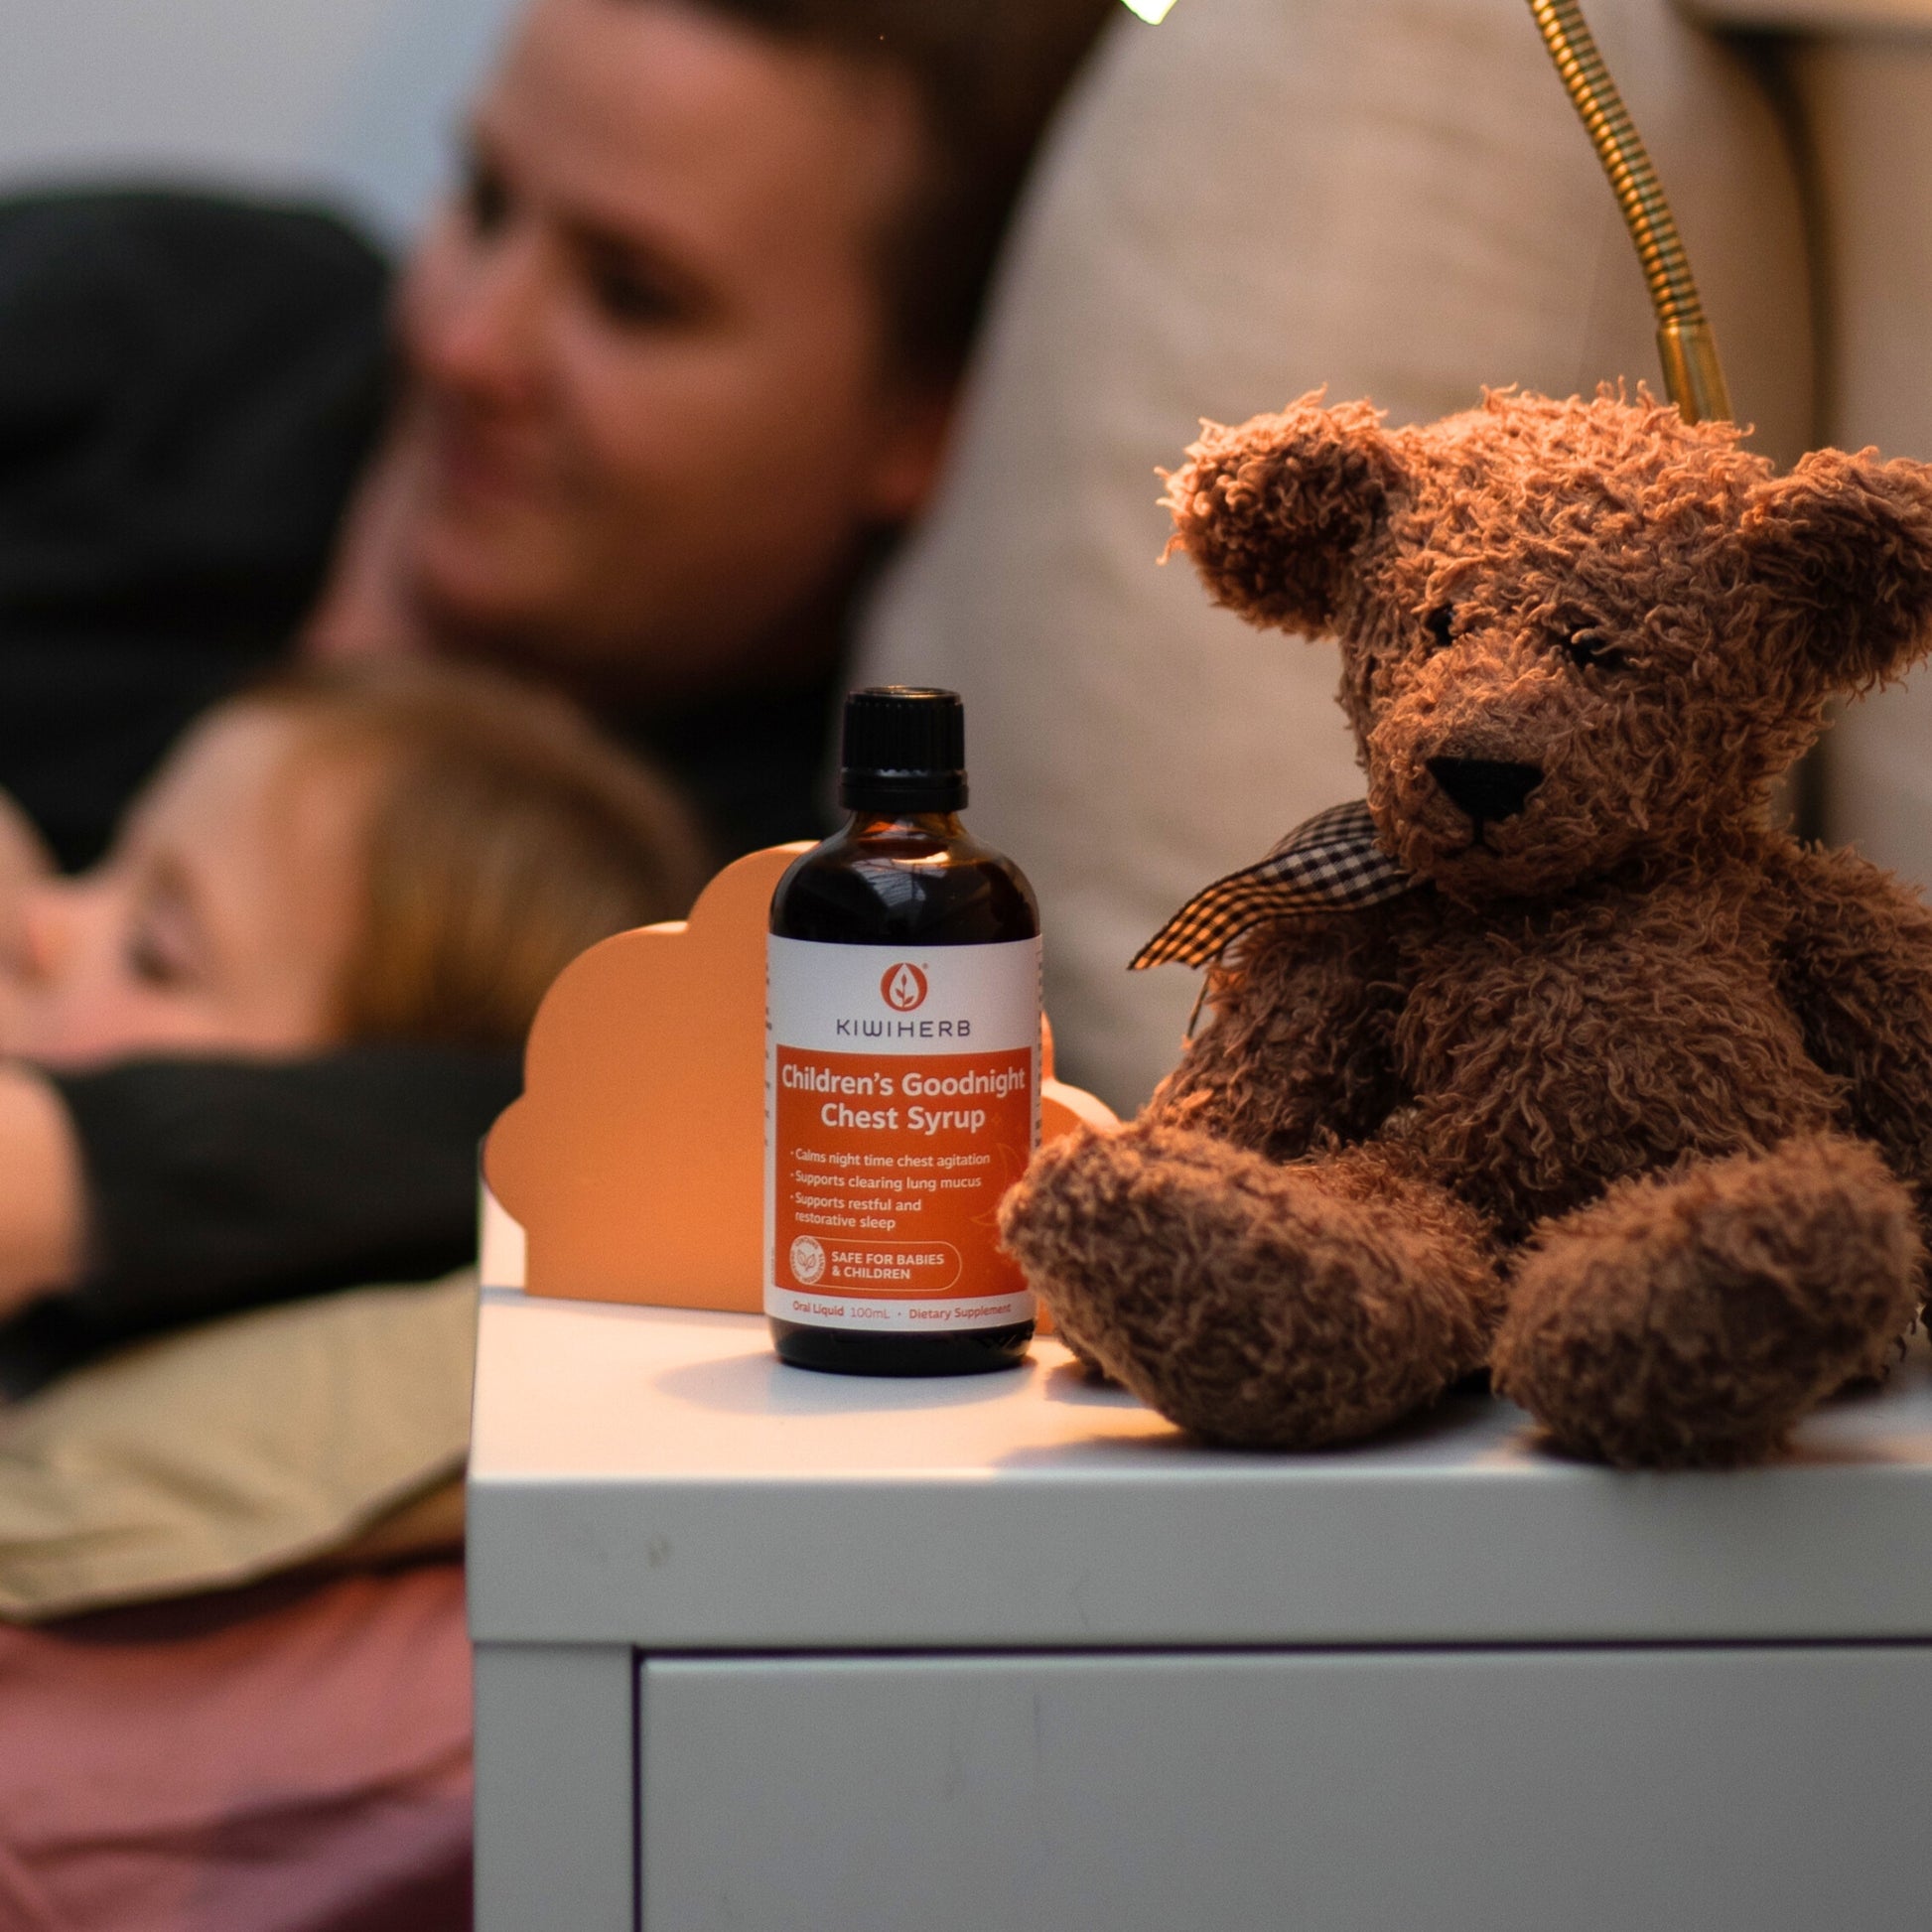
pixel 901 1065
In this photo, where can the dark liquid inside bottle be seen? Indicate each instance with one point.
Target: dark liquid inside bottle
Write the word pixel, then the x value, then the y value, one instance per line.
pixel 903 882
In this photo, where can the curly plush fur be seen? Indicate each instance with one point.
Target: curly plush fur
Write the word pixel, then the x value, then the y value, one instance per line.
pixel 1631 1097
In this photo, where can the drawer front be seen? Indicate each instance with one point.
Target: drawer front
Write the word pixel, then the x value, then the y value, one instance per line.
pixel 1499 1791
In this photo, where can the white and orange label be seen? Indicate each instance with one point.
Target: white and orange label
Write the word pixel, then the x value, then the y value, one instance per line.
pixel 901 1101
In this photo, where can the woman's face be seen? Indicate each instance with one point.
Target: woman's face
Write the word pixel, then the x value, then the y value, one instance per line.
pixel 220 920
pixel 653 407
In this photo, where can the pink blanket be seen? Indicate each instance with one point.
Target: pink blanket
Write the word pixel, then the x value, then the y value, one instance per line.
pixel 288 1758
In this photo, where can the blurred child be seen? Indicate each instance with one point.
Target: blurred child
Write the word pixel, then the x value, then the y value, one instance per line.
pixel 380 854
pixel 389 852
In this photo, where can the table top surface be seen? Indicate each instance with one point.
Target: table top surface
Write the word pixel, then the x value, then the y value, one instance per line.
pixel 657 1476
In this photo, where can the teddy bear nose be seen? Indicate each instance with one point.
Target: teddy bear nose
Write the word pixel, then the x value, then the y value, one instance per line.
pixel 1487 789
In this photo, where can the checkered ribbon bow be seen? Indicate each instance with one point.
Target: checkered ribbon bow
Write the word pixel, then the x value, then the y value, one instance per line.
pixel 1331 863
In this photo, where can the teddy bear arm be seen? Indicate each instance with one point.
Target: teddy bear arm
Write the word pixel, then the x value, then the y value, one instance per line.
pixel 1295 1051
pixel 1856 970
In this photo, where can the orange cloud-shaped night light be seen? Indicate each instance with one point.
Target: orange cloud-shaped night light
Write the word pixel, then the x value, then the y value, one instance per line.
pixel 636 1159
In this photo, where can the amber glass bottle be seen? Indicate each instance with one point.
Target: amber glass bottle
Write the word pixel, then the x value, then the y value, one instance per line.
pixel 902 1066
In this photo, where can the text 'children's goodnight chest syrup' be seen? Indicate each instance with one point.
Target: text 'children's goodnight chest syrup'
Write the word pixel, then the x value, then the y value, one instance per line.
pixel 901 1065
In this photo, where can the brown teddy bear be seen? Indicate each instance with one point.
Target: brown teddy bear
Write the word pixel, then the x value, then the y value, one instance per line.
pixel 1553 1057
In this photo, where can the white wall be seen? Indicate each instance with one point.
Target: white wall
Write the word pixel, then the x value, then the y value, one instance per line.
pixel 351 99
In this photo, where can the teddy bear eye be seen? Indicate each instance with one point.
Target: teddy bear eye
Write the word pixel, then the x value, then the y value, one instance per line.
pixel 1440 624
pixel 1592 645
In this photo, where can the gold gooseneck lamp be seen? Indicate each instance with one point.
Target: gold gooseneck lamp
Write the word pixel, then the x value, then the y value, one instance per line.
pixel 1691 373
pixel 1693 376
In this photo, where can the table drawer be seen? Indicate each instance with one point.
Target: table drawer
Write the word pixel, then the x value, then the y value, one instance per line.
pixel 1594 1790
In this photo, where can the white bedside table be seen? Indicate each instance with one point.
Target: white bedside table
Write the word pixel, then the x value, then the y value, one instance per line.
pixel 762 1649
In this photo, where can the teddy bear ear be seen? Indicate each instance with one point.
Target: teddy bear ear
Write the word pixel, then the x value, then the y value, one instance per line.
pixel 1274 511
pixel 1843 547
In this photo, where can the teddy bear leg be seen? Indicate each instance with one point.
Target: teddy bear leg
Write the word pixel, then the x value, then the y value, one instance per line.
pixel 1693 1318
pixel 1251 1302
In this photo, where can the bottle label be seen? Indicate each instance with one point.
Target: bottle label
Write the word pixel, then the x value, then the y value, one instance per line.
pixel 901 1101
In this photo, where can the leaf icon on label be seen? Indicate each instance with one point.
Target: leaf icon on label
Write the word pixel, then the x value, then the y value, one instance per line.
pixel 904 987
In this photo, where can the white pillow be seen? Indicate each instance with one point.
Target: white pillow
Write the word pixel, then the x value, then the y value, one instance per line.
pixel 1256 198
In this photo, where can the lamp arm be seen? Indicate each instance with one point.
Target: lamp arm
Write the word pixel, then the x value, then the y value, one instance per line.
pixel 1693 375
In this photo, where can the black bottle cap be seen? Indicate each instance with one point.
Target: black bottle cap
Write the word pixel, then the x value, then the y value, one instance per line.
pixel 905 750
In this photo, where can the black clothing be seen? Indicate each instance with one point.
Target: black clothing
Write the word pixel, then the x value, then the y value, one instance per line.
pixel 219 1184
pixel 754 763
pixel 188 390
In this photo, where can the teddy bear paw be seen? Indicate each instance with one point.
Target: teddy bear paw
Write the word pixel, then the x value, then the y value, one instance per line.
pixel 1251 1303
pixel 1693 1318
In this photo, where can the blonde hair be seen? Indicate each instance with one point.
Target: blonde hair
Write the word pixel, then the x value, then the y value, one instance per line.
pixel 505 834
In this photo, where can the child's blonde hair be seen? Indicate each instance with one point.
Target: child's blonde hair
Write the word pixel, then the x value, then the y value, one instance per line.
pixel 506 834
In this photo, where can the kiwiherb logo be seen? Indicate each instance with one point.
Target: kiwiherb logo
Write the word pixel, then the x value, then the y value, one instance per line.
pixel 903 988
